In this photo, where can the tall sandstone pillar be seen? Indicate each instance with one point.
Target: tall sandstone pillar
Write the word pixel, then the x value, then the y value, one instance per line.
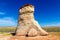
pixel 27 25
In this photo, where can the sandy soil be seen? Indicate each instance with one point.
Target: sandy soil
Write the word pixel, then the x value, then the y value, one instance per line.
pixel 49 37
pixel 52 36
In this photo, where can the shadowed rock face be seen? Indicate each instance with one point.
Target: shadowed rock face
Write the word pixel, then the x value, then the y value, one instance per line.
pixel 27 25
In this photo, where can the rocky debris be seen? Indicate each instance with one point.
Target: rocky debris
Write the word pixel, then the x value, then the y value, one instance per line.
pixel 26 21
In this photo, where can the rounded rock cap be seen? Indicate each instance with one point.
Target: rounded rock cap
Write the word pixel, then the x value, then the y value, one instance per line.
pixel 26 8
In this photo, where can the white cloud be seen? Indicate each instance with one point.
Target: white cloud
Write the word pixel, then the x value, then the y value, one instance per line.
pixel 2 13
pixel 8 21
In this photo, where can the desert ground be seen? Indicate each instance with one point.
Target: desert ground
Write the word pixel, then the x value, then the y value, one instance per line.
pixel 54 34
pixel 51 36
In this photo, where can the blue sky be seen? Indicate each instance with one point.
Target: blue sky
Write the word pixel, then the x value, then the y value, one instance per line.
pixel 47 12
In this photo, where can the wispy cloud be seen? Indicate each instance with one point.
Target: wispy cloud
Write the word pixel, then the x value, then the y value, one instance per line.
pixel 2 13
pixel 8 21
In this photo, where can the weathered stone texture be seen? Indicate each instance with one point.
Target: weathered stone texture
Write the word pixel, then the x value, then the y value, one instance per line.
pixel 27 25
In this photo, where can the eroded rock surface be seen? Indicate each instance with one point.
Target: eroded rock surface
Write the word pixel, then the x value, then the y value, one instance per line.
pixel 33 32
pixel 27 25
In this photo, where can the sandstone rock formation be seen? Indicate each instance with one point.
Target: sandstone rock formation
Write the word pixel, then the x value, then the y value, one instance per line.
pixel 32 32
pixel 27 25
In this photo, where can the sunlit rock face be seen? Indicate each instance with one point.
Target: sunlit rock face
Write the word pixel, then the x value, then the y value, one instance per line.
pixel 27 25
